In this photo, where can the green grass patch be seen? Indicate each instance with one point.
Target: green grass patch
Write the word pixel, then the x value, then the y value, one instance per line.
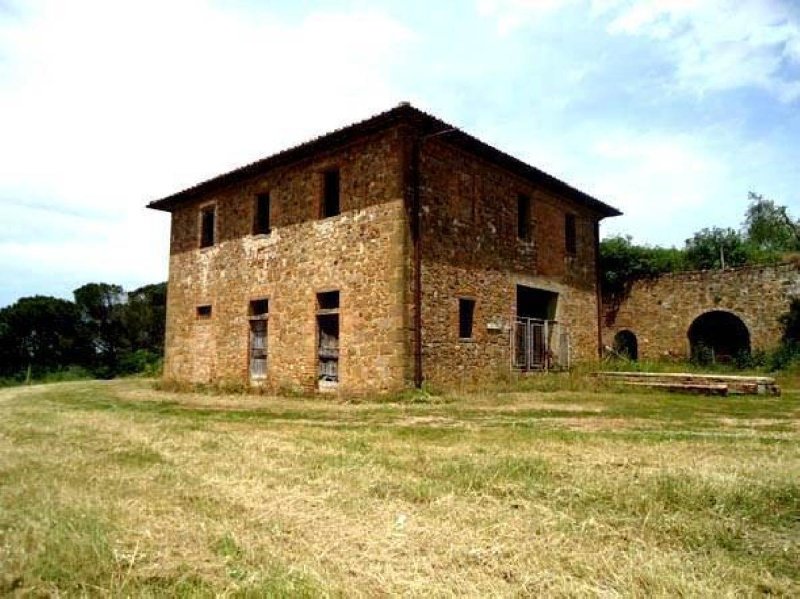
pixel 116 489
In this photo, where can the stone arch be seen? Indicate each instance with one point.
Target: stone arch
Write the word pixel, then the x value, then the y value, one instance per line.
pixel 626 344
pixel 718 336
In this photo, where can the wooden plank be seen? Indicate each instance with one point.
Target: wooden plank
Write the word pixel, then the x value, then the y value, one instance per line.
pixel 699 389
pixel 736 384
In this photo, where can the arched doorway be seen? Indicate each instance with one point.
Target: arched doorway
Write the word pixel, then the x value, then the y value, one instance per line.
pixel 718 336
pixel 626 345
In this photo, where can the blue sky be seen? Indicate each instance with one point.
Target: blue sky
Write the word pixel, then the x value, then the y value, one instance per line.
pixel 671 110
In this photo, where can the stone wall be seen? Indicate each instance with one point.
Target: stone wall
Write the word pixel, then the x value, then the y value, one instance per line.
pixel 660 311
pixel 361 253
pixel 471 249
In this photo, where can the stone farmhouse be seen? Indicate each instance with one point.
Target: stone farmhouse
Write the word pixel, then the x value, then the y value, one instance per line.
pixel 393 251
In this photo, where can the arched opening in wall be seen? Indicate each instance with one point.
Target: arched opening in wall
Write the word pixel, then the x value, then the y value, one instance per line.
pixel 626 345
pixel 718 336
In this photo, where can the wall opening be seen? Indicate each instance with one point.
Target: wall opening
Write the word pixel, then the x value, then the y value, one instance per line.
pixel 259 320
pixel 524 217
pixel 207 225
pixel 330 193
pixel 328 338
pixel 466 317
pixel 536 303
pixel 718 336
pixel 540 343
pixel 570 235
pixel 626 345
pixel 261 217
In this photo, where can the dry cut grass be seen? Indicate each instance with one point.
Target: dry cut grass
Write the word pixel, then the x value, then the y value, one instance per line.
pixel 113 488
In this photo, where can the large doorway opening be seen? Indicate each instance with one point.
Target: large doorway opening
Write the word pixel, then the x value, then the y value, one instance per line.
pixel 540 343
pixel 718 336
pixel 536 303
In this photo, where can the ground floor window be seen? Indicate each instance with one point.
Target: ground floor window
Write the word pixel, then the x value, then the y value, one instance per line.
pixel 259 321
pixel 328 336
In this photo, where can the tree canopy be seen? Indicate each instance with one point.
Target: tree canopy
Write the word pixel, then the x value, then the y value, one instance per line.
pixel 768 233
pixel 105 331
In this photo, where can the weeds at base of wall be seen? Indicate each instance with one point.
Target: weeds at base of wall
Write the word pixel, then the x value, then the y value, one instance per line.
pixel 226 387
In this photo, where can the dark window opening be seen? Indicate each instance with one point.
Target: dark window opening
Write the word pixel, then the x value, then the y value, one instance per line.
pixel 466 317
pixel 261 222
pixel 259 307
pixel 570 237
pixel 524 217
pixel 259 326
pixel 328 336
pixel 207 217
pixel 626 345
pixel 203 311
pixel 718 336
pixel 536 303
pixel 330 194
pixel 328 300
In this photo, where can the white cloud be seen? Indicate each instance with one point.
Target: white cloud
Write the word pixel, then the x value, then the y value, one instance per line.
pixel 714 45
pixel 106 105
pixel 656 178
pixel 512 14
pixel 721 44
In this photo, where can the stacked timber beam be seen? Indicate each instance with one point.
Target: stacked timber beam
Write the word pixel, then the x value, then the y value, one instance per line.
pixel 703 384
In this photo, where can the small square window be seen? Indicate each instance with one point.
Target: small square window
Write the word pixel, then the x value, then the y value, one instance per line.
pixel 207 218
pixel 570 237
pixel 466 317
pixel 261 218
pixel 330 193
pixel 524 217
pixel 203 312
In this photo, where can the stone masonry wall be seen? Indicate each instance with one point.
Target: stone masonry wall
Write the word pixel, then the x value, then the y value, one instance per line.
pixel 362 253
pixel 471 249
pixel 661 310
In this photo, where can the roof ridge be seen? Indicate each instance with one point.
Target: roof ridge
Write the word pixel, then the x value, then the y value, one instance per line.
pixel 404 111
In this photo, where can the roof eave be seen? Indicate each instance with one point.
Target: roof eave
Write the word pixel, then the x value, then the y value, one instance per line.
pixel 404 113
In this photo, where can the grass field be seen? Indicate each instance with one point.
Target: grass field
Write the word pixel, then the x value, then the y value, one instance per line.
pixel 114 488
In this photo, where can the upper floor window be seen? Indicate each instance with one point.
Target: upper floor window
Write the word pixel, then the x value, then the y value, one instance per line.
pixel 203 312
pixel 261 217
pixel 330 193
pixel 207 218
pixel 524 217
pixel 570 236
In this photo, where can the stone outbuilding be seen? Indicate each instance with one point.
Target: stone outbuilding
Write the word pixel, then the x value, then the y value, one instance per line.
pixel 394 251
pixel 708 315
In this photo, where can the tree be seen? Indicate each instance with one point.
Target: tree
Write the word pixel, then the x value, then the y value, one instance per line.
pixel 144 317
pixel 101 307
pixel 621 261
pixel 716 247
pixel 769 227
pixel 42 332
